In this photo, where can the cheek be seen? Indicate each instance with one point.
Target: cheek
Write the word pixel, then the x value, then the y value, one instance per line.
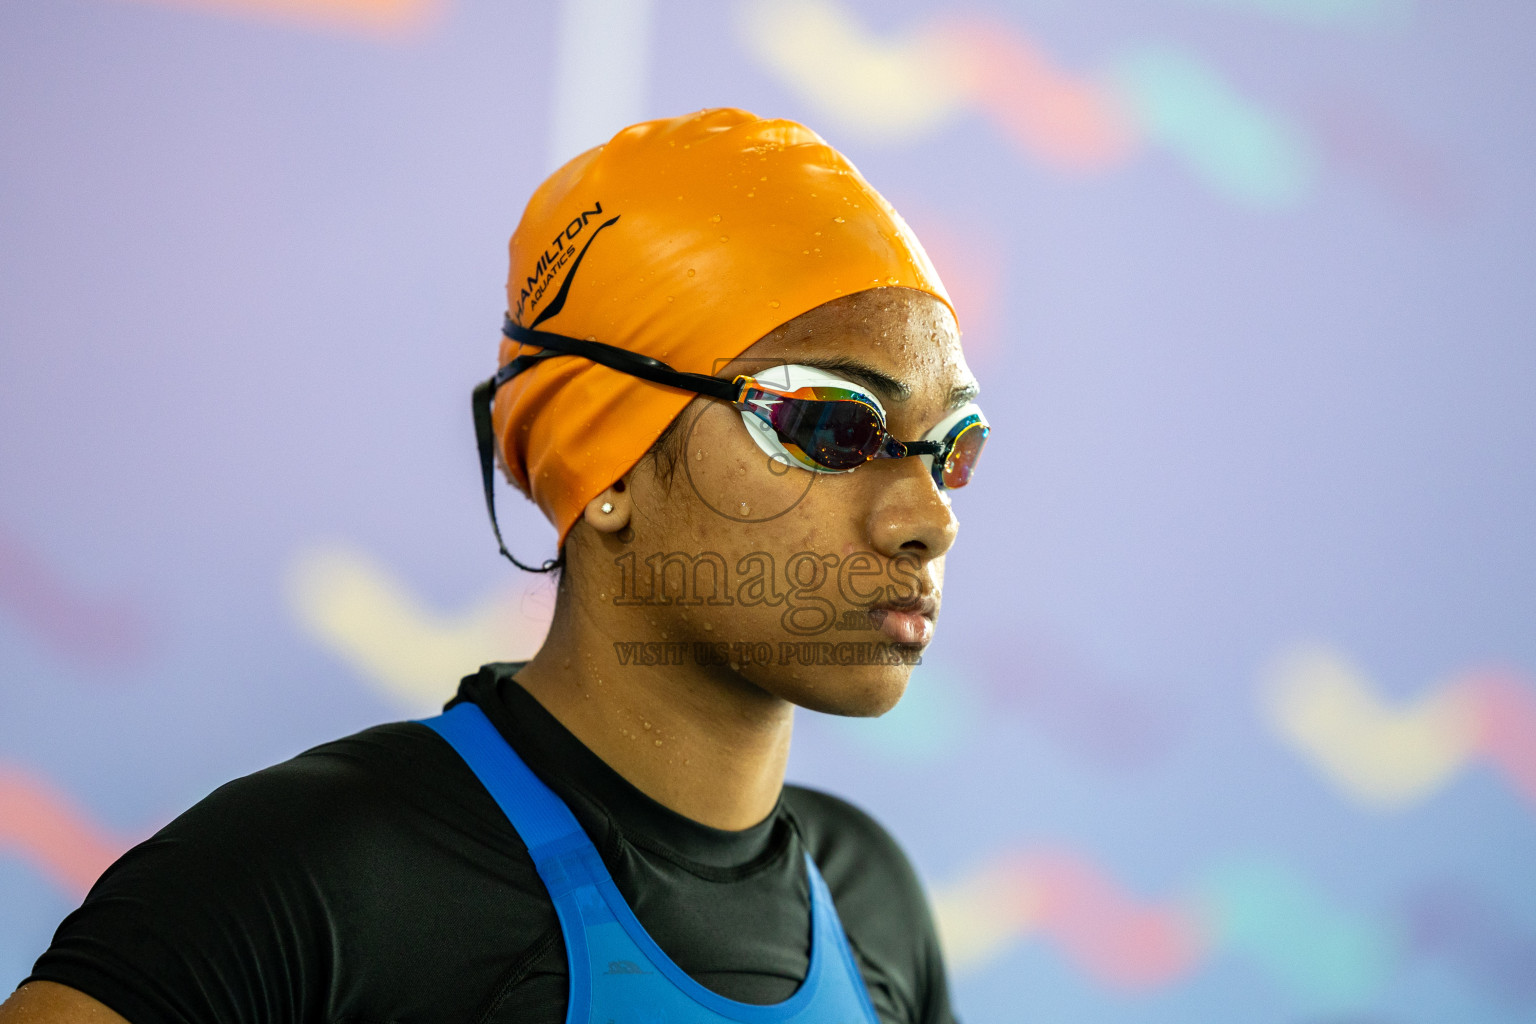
pixel 730 476
pixel 727 498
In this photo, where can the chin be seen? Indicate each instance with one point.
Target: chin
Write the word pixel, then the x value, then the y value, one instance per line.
pixel 865 691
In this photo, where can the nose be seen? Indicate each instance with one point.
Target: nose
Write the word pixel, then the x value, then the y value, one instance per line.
pixel 908 513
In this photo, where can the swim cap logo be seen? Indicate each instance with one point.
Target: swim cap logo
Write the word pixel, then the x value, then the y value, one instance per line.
pixel 554 259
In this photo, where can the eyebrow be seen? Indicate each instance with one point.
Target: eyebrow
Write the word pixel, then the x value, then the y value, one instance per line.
pixel 965 394
pixel 886 387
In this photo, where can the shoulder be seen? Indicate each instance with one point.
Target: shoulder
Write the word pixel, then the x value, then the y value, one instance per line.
pixel 382 776
pixel 835 831
pixel 324 807
pixel 343 878
pixel 870 878
pixel 339 834
pixel 880 902
pixel 384 760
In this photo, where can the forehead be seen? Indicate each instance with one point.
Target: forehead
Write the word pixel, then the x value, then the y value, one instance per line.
pixel 904 335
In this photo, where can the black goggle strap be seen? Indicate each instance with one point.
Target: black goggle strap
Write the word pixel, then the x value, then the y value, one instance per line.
pixel 624 361
pixel 485 438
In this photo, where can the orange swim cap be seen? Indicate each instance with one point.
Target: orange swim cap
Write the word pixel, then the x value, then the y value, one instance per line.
pixel 685 239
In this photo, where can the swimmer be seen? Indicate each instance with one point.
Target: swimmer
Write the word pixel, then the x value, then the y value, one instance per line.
pixel 731 379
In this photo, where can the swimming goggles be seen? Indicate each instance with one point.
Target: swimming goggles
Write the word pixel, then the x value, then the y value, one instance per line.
pixel 798 415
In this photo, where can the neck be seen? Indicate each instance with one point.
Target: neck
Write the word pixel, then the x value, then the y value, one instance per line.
pixel 698 739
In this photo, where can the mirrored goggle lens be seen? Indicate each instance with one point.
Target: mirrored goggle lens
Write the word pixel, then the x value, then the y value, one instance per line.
pixel 835 433
pixel 964 452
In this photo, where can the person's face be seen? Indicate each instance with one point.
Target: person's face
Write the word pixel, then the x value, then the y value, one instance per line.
pixel 775 568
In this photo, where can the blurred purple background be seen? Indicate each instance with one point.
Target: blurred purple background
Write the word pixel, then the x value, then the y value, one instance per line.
pixel 1232 711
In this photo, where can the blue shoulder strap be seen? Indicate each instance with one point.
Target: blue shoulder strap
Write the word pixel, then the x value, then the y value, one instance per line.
pixel 618 973
pixel 541 818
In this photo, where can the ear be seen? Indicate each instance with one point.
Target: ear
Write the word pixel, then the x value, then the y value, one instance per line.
pixel 616 500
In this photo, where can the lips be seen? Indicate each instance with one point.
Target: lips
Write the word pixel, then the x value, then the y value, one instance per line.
pixel 908 623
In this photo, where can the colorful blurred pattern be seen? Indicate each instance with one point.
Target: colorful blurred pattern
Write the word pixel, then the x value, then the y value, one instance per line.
pixel 1232 711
